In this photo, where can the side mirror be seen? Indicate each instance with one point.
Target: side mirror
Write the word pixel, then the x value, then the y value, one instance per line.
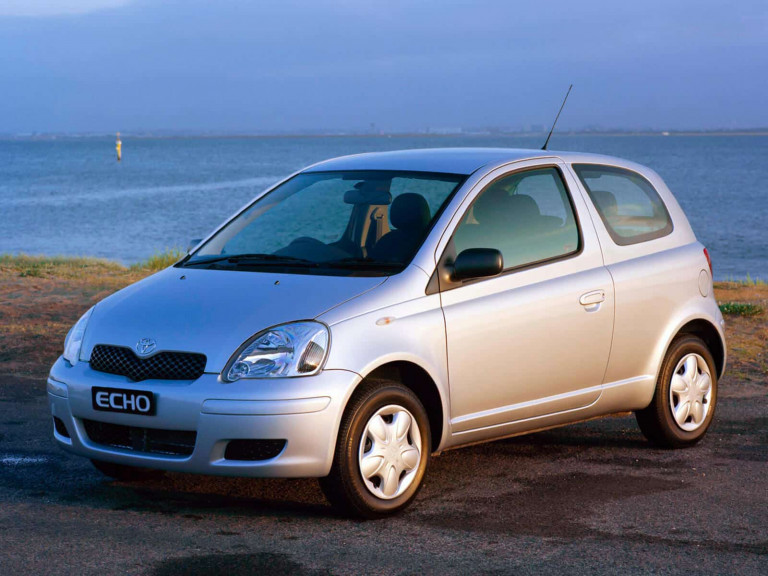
pixel 192 243
pixel 478 263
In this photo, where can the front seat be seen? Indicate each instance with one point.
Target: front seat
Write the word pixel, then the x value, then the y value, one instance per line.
pixel 491 213
pixel 409 216
pixel 523 211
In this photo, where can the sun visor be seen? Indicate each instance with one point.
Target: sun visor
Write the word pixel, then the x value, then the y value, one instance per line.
pixel 376 193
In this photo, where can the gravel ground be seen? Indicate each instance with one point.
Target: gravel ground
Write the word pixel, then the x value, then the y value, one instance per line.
pixel 591 498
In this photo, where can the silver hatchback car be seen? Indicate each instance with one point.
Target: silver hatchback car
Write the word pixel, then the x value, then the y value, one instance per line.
pixel 373 310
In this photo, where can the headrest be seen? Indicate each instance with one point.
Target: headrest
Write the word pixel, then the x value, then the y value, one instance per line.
pixel 605 201
pixel 409 211
pixel 491 205
pixel 522 206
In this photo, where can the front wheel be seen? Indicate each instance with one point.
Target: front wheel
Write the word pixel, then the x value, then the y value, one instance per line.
pixel 382 452
pixel 686 394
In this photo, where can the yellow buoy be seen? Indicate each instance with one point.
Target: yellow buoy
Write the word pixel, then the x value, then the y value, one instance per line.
pixel 119 147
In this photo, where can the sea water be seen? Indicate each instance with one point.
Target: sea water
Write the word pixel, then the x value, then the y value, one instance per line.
pixel 69 196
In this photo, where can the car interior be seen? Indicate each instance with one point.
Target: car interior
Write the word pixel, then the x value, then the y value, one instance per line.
pixel 512 222
pixel 380 228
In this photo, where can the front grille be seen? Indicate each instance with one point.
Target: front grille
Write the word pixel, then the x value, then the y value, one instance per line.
pixel 252 450
pixel 148 440
pixel 161 366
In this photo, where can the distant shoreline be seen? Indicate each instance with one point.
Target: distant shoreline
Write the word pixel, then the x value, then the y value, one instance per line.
pixel 298 135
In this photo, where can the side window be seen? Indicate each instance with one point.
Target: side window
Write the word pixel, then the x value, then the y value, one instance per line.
pixel 528 216
pixel 629 206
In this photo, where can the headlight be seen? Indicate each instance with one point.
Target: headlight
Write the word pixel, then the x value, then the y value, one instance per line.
pixel 74 339
pixel 296 349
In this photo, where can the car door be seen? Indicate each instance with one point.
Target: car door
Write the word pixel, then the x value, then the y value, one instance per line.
pixel 535 339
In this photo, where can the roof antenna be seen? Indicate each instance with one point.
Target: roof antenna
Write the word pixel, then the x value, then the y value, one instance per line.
pixel 556 117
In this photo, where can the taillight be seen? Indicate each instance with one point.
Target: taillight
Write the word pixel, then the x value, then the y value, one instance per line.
pixel 709 261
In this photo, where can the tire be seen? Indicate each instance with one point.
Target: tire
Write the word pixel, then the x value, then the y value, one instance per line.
pixel 379 410
pixel 690 364
pixel 125 473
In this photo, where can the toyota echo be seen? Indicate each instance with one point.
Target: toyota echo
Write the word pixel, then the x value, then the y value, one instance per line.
pixel 373 310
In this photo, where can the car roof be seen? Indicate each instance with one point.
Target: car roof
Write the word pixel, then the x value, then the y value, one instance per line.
pixel 447 160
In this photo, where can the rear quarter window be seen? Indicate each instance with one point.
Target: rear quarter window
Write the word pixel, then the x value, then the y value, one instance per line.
pixel 628 204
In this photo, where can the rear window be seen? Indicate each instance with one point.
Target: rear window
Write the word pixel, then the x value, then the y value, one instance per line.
pixel 628 204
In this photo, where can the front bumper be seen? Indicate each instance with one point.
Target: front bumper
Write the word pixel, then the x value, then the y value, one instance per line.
pixel 305 412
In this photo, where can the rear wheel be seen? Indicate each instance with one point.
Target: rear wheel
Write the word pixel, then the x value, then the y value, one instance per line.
pixel 686 394
pixel 382 452
pixel 123 472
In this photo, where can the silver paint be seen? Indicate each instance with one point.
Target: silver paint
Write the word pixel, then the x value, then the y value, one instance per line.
pixel 541 347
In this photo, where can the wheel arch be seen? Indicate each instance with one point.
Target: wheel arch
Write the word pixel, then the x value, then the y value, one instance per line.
pixel 695 324
pixel 419 381
pixel 711 336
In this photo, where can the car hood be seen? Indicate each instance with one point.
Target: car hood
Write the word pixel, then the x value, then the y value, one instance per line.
pixel 213 311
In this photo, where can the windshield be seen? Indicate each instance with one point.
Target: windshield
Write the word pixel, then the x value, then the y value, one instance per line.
pixel 338 223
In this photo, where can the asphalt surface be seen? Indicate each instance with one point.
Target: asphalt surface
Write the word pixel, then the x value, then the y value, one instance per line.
pixel 592 498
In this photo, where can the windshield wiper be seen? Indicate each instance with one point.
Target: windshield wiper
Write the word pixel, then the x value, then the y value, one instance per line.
pixel 361 263
pixel 255 259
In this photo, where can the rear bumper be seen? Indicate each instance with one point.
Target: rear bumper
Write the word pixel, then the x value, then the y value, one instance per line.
pixel 305 412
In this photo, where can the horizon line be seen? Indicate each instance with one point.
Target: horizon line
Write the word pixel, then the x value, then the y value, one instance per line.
pixel 427 133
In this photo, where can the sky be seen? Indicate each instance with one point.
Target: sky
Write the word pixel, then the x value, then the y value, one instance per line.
pixel 401 65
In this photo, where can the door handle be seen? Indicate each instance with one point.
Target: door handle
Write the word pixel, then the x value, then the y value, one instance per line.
pixel 592 298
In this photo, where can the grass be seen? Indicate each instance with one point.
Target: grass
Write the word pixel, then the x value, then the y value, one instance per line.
pixel 159 260
pixel 741 309
pixel 748 281
pixel 39 266
pixel 27 266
